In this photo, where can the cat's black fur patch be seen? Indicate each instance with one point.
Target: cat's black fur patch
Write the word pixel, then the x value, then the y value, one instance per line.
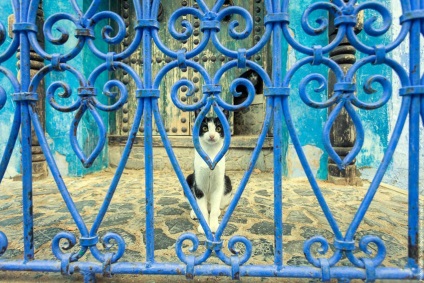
pixel 216 121
pixel 199 193
pixel 228 186
pixel 192 184
pixel 204 127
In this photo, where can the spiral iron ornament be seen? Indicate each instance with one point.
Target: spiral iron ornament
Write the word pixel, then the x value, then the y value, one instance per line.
pixel 78 93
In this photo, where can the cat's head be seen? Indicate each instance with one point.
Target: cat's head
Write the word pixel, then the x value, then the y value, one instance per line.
pixel 211 129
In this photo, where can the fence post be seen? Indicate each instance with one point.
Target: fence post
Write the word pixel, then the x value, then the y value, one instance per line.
pixel 39 165
pixel 414 134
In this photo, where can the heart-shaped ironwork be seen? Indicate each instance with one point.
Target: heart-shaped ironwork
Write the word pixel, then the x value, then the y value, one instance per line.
pixel 226 128
pixel 87 161
pixel 342 163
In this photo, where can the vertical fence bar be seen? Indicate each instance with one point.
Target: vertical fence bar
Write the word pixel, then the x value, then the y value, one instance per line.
pixel 278 102
pixel 278 198
pixel 414 142
pixel 39 165
pixel 148 140
pixel 25 70
pixel 278 137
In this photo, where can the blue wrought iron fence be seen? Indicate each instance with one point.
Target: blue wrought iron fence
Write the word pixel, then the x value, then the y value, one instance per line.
pixel 277 90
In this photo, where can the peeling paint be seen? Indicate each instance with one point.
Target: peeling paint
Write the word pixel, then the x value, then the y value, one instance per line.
pixel 308 121
pixel 6 113
pixel 397 173
pixel 313 154
pixel 372 150
pixel 62 163
pixel 58 123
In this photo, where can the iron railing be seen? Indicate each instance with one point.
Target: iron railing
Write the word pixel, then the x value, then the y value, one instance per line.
pixel 276 89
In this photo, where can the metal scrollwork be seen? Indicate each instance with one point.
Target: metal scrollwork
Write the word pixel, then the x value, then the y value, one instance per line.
pixel 16 120
pixel 232 247
pixel 184 82
pixel 108 242
pixel 187 33
pixel 14 82
pixel 12 48
pixel 195 241
pixel 2 34
pixel 344 97
pixel 70 242
pixel 324 246
pixel 3 97
pixel 71 33
pixel 363 245
pixel 3 243
pixel 344 247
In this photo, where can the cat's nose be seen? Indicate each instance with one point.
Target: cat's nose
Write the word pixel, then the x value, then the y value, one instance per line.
pixel 211 137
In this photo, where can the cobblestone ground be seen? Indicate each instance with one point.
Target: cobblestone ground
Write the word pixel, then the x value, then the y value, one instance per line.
pixel 253 218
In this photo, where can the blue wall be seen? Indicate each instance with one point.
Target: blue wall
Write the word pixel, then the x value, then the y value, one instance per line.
pixel 309 122
pixel 375 122
pixel 58 123
pixel 6 114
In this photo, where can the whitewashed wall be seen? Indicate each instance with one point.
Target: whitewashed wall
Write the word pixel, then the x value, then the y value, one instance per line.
pixel 397 174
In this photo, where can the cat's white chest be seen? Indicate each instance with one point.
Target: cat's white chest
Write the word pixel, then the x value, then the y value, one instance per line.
pixel 206 179
pixel 213 195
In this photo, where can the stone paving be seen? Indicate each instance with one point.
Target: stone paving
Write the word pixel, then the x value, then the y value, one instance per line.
pixel 253 218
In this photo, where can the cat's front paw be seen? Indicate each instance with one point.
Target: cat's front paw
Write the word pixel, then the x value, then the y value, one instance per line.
pixel 193 215
pixel 200 229
pixel 214 226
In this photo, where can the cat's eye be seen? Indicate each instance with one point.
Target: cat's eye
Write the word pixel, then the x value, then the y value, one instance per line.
pixel 218 129
pixel 205 129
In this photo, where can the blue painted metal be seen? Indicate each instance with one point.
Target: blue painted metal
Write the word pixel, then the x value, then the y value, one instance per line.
pixel 277 92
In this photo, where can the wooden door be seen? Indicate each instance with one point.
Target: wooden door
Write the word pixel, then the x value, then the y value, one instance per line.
pixel 177 122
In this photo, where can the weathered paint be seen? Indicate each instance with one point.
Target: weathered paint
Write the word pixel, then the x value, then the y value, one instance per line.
pixel 378 134
pixel 294 166
pixel 58 123
pixel 398 171
pixel 178 122
pixel 6 114
pixel 308 122
pixel 323 269
pixel 376 137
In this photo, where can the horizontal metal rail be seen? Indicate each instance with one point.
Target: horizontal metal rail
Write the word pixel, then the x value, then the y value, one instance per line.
pixel 277 90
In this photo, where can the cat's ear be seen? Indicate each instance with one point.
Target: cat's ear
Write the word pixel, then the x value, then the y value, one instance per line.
pixel 197 112
pixel 226 113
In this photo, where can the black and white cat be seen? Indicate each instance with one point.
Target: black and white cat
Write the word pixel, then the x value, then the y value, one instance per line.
pixel 211 188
